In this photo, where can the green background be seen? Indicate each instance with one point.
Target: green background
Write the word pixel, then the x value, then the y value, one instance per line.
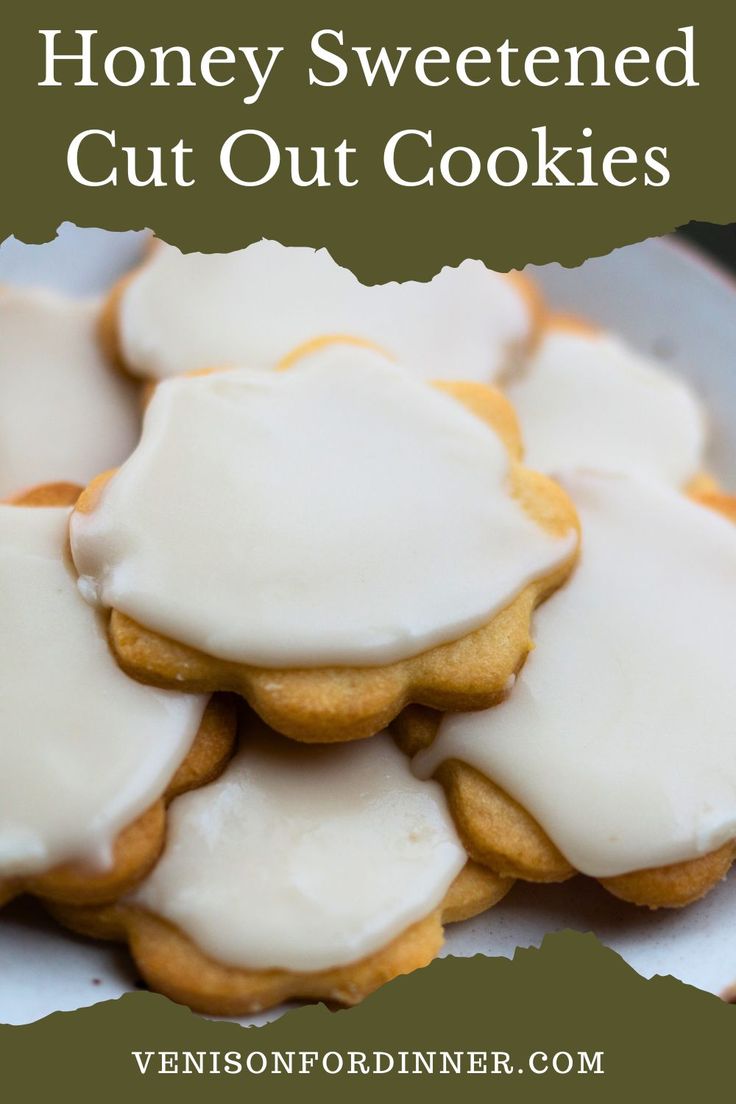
pixel 380 230
pixel 662 1039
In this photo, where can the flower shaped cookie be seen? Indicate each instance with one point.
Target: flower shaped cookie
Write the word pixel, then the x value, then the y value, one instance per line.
pixel 180 313
pixel 88 757
pixel 614 754
pixel 303 872
pixel 332 542
pixel 65 413
pixel 586 399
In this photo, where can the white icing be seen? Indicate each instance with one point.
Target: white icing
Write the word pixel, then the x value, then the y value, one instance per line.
pixel 338 512
pixel 620 734
pixel 84 750
pixel 65 414
pixel 590 401
pixel 304 858
pixel 188 311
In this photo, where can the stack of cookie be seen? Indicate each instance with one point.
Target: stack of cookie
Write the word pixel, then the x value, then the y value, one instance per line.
pixel 307 596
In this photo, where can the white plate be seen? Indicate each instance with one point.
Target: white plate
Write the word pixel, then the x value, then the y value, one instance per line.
pixel 663 298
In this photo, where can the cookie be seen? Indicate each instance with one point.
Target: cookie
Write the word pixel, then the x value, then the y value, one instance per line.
pixel 588 400
pixel 708 495
pixel 88 757
pixel 614 753
pixel 65 413
pixel 303 872
pixel 180 313
pixel 331 542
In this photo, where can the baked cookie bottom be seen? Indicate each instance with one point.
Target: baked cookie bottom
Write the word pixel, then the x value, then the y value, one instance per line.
pixel 500 834
pixel 331 704
pixel 47 494
pixel 171 964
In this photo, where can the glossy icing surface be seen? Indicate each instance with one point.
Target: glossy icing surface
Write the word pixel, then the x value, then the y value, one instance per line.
pixel 340 512
pixel 84 750
pixel 65 413
pixel 182 312
pixel 587 400
pixel 304 858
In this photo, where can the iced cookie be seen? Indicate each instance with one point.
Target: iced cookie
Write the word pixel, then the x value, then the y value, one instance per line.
pixel 65 413
pixel 587 400
pixel 307 872
pixel 88 757
pixel 331 542
pixel 183 312
pixel 615 753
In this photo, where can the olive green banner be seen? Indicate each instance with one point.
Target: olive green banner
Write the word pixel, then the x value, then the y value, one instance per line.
pixel 402 136
pixel 570 1022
